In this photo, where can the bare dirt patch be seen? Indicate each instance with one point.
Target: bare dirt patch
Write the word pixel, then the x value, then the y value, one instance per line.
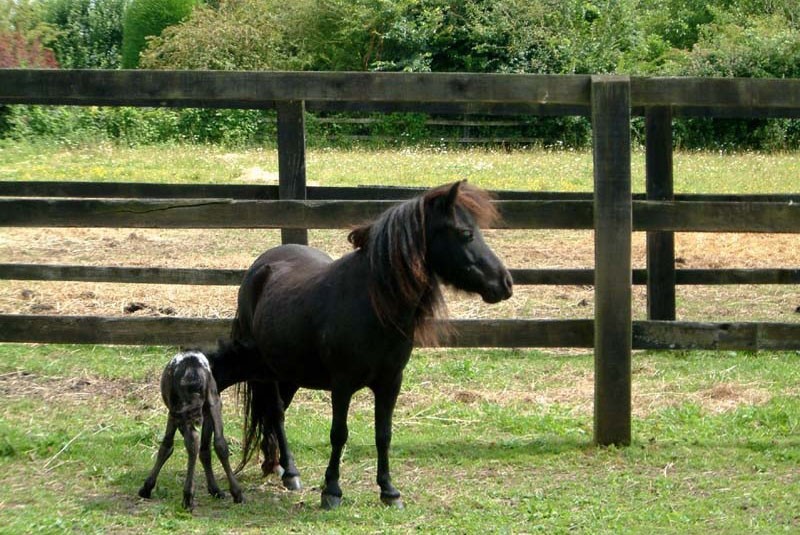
pixel 25 385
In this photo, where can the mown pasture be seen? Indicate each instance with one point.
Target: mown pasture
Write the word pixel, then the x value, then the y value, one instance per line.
pixel 485 440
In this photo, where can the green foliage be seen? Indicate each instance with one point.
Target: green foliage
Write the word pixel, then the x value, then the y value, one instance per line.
pixel 89 32
pixel 240 35
pixel 748 38
pixel 144 18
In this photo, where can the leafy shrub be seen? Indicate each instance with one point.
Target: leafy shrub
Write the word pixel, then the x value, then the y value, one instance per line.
pixel 89 32
pixel 144 18
pixel 17 50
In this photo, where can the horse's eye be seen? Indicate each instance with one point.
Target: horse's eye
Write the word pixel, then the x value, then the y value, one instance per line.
pixel 465 234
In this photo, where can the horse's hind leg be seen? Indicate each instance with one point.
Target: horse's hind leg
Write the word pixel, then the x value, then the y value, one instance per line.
pixel 332 493
pixel 191 439
pixel 205 455
pixel 277 398
pixel 164 452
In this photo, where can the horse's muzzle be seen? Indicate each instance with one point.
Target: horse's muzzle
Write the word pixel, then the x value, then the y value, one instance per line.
pixel 500 290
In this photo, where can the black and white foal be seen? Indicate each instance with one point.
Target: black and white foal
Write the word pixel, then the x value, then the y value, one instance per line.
pixel 191 396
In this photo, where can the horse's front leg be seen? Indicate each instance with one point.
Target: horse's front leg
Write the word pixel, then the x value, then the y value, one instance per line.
pixel 385 399
pixel 332 493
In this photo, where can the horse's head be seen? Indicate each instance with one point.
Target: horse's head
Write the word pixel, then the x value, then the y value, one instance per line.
pixel 456 250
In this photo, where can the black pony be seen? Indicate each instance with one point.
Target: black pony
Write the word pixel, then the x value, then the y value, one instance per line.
pixel 351 323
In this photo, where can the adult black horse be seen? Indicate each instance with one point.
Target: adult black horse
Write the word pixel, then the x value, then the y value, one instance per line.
pixel 351 323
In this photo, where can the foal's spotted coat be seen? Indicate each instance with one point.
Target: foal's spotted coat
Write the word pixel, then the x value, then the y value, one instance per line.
pixel 191 396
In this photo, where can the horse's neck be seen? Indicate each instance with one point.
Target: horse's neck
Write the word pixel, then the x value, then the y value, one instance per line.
pixel 233 364
pixel 403 317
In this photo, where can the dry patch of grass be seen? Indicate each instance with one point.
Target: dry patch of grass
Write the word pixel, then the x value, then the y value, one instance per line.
pixel 519 249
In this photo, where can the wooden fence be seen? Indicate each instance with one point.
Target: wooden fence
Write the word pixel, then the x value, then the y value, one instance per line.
pixel 612 211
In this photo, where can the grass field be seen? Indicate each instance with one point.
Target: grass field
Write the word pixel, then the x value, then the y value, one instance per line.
pixel 486 441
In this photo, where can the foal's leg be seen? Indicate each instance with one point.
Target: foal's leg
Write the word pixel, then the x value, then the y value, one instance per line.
pixel 205 455
pixel 191 439
pixel 221 449
pixel 164 451
pixel 385 399
pixel 332 493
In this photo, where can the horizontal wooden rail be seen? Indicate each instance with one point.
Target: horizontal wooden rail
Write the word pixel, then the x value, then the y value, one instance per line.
pixel 220 213
pixel 723 96
pixel 233 277
pixel 385 92
pixel 196 88
pixel 694 216
pixel 468 333
pixel 715 216
pixel 133 190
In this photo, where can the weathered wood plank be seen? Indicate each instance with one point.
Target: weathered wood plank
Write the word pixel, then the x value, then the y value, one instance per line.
pixel 716 336
pixel 613 225
pixel 124 275
pixel 716 216
pixel 695 216
pixel 118 330
pixel 193 331
pixel 659 184
pixel 292 161
pixel 221 213
pixel 233 277
pixel 745 93
pixel 497 109
pixel 78 189
pixel 157 88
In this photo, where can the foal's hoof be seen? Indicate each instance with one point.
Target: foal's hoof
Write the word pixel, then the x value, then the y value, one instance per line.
pixel 395 502
pixel 329 501
pixel 217 493
pixel 238 497
pixel 292 483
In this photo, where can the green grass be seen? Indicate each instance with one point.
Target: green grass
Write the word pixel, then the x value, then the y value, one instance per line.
pixel 486 441
pixel 695 172
pixel 466 463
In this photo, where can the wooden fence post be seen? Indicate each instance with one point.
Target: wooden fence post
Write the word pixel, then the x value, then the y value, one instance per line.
pixel 613 226
pixel 292 160
pixel 660 245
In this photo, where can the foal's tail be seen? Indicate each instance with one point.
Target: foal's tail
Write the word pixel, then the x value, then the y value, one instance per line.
pixel 258 425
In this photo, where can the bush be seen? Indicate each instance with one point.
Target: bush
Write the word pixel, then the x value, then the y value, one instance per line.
pixel 89 32
pixel 144 18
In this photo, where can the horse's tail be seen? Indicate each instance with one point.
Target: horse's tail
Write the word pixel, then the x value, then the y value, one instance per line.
pixel 253 395
pixel 258 426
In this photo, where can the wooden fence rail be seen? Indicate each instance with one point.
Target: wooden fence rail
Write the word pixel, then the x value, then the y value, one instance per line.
pixel 612 210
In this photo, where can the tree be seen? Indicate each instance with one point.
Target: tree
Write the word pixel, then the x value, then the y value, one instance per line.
pixel 89 32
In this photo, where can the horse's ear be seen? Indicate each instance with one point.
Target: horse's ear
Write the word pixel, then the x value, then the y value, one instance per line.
pixel 452 196
pixel 359 237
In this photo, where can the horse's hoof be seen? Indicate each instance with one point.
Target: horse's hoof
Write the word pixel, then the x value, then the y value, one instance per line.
pixel 269 467
pixel 392 501
pixel 292 483
pixel 329 501
pixel 217 493
pixel 145 492
pixel 188 504
pixel 238 497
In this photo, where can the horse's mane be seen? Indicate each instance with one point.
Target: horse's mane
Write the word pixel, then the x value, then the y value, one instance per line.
pixel 396 243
